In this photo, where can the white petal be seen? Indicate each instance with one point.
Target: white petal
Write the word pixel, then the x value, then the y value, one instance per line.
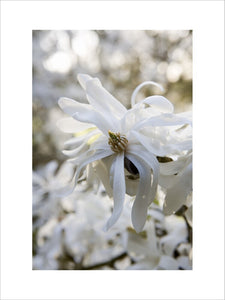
pixel 82 161
pixel 159 103
pixel 101 143
pixel 117 171
pixel 84 78
pixel 162 120
pixel 85 113
pixel 176 196
pixel 166 181
pixel 144 196
pixel 131 185
pixel 103 174
pixel 70 125
pixel 144 154
pixel 83 147
pixel 102 100
pixel 152 146
pixel 181 146
pixel 83 138
pixel 137 89
pixel 172 167
pixel 87 160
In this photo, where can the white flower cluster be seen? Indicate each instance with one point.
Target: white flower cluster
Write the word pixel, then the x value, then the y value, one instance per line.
pixel 131 151
pixel 68 230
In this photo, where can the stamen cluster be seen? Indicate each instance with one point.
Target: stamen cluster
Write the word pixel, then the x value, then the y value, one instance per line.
pixel 117 142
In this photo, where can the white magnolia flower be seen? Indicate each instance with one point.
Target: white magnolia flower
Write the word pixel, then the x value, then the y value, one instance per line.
pixel 121 145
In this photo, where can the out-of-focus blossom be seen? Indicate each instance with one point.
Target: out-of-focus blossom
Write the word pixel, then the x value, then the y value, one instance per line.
pixel 77 235
pixel 124 144
pixel 147 253
pixel 177 178
pixel 48 183
pixel 72 237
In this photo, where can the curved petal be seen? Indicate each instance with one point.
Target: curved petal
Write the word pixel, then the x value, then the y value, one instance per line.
pixel 172 167
pixel 83 138
pixel 76 151
pixel 137 89
pixel 146 190
pixel 87 160
pixel 85 113
pixel 159 103
pixel 117 172
pixel 141 203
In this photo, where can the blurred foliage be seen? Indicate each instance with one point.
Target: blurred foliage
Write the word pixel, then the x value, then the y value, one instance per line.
pixel 120 59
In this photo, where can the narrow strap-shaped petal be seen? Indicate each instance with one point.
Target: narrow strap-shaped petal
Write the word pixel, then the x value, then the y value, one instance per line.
pixel 85 113
pixel 74 152
pixel 70 125
pixel 137 89
pixel 84 78
pixel 147 166
pixel 145 155
pixel 117 172
pixel 153 147
pixel 77 141
pixel 87 160
pixel 103 101
pixel 162 120
pixel 141 203
pixel 160 103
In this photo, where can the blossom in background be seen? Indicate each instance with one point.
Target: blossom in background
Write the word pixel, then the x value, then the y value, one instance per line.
pixel 75 240
pixel 48 184
pixel 179 186
pixel 123 147
pixel 160 250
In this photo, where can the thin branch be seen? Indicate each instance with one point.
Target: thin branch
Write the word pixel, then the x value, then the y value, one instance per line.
pixel 106 263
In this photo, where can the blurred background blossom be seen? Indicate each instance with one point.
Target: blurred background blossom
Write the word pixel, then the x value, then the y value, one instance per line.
pixel 67 230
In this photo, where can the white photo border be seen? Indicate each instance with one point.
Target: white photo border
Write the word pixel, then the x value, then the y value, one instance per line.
pixel 206 19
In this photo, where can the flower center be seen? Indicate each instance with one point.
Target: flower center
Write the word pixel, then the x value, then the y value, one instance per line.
pixel 117 141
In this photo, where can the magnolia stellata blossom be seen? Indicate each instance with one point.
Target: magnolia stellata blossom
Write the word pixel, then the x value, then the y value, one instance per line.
pixel 121 145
